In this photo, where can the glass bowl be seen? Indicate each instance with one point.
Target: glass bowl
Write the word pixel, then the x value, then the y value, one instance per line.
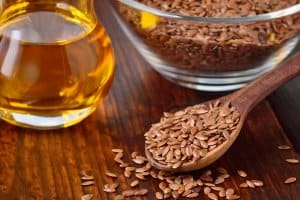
pixel 209 53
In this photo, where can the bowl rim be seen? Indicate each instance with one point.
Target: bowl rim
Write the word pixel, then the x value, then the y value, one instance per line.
pixel 262 17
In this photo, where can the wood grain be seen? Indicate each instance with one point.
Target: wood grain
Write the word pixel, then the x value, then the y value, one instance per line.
pixel 48 164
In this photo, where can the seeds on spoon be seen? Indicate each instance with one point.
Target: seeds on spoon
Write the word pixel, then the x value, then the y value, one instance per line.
pixel 188 135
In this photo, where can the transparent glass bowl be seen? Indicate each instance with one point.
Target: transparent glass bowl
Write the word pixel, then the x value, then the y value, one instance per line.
pixel 205 53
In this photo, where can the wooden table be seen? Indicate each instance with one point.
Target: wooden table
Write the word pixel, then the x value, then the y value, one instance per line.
pixel 48 164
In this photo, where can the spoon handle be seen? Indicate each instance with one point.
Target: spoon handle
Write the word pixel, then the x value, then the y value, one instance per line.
pixel 253 93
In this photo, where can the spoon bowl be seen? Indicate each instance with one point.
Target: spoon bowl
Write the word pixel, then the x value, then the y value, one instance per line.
pixel 243 100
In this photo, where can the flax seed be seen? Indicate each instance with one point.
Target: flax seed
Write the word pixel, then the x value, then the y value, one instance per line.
pixel 87 197
pixel 243 185
pixel 109 190
pixel 284 147
pixel 193 195
pixel 110 174
pixel 212 196
pixel 250 184
pixel 134 183
pixel 291 160
pixel 117 150
pixel 229 192
pixel 258 183
pixel 242 173
pixel 159 195
pixel 290 180
pixel 141 192
pixel 88 183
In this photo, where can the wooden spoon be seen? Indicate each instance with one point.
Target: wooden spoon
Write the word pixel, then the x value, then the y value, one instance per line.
pixel 244 100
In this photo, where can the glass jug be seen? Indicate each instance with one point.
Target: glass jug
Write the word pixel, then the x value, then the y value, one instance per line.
pixel 56 62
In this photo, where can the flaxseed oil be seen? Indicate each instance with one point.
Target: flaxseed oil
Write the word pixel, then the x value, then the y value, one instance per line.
pixel 56 63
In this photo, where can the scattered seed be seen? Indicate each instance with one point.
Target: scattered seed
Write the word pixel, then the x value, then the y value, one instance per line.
pixel 162 185
pixel 119 197
pixel 207 178
pixel 134 154
pixel 222 170
pixel 199 182
pixel 258 183
pixel 153 174
pixel 114 185
pixel 128 193
pixel 87 197
pixel 123 165
pixel 212 196
pixel 250 184
pixel 291 160
pixel 109 190
pixel 131 169
pixel 209 184
pixel 192 195
pixel 167 195
pixel 88 183
pixel 117 150
pixel 172 185
pixel 197 189
pixel 134 183
pixel 207 190
pixel 84 173
pixel 222 193
pixel 140 176
pixel 243 185
pixel 140 170
pixel 284 147
pixel 87 178
pixel 242 173
pixel 229 191
pixel 217 188
pixel 138 161
pixel 232 197
pixel 118 158
pixel 175 194
pixel 224 176
pixel 290 180
pixel 127 173
pixel 159 195
pixel 110 174
pixel 141 192
pixel 219 180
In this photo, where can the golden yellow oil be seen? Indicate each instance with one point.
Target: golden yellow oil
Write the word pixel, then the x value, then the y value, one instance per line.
pixel 55 64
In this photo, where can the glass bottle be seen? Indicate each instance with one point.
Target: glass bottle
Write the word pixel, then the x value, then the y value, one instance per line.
pixel 56 62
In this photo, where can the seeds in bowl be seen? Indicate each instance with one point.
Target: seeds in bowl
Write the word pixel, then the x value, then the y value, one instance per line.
pixel 212 47
pixel 189 134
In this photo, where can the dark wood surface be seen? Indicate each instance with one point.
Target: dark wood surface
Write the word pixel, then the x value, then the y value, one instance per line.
pixel 47 164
